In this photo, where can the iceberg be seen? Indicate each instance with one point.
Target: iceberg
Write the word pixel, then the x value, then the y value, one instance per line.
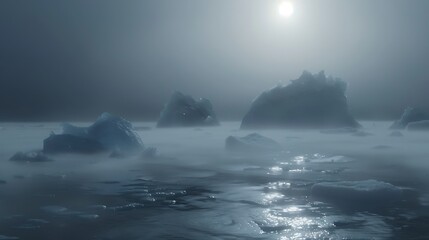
pixel 108 132
pixel 358 193
pixel 314 101
pixel 183 111
pixel 251 143
pixel 410 115
pixel 418 126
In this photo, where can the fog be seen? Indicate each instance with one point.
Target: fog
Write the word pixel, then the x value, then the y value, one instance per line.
pixel 63 60
pixel 197 189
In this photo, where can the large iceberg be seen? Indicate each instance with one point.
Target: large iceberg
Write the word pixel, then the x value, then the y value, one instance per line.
pixel 251 143
pixel 310 101
pixel 107 133
pixel 183 111
pixel 410 115
pixel 366 193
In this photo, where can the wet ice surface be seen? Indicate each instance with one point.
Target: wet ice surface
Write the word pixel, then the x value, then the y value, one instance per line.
pixel 197 190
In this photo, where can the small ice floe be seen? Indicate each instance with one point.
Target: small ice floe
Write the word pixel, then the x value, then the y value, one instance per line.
pixel 31 156
pixel 368 193
pixel 251 143
pixel 396 134
pixel 418 126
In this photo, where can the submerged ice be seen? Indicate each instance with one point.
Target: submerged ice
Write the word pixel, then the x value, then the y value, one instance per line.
pixel 183 111
pixel 310 101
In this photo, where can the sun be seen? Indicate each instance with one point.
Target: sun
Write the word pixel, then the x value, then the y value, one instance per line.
pixel 286 9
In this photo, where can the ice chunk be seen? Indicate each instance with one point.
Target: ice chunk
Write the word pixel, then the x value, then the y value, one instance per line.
pixel 410 115
pixel 252 142
pixel 32 156
pixel 59 143
pixel 368 192
pixel 183 111
pixel 107 133
pixel 310 101
pixel 418 126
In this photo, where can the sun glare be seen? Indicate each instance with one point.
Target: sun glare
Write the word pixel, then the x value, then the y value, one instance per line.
pixel 286 9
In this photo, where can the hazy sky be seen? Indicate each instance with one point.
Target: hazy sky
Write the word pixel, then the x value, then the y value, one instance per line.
pixel 75 59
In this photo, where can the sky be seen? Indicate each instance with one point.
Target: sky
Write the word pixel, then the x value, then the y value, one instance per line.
pixel 72 60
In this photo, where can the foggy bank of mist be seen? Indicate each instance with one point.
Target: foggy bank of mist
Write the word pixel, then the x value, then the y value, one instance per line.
pixel 72 60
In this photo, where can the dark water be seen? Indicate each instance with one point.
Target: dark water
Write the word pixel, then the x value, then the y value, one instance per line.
pixel 196 190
